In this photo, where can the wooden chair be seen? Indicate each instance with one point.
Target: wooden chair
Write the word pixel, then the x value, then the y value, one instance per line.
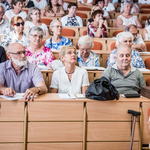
pixel 145 11
pixel 84 9
pixel 148 46
pixel 144 6
pixel 109 42
pixel 111 31
pixel 25 9
pixel 147 63
pixel 148 81
pixel 143 17
pixel 112 46
pixel 70 31
pixel 82 31
pixel 116 32
pixel 112 15
pixel 46 20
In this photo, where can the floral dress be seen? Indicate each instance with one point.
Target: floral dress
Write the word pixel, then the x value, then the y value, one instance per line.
pixel 45 57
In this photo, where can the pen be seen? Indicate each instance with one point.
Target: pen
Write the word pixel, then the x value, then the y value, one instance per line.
pixel 69 95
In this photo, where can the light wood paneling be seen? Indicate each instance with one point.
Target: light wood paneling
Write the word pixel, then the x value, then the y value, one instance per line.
pixel 111 145
pixel 55 131
pixel 54 146
pixel 11 111
pixel 11 132
pixel 14 146
pixel 107 111
pixel 46 111
pixel 111 131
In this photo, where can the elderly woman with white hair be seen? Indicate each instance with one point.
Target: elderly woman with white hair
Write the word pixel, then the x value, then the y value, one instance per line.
pixel 36 53
pixel 126 38
pixel 70 78
pixel 57 41
pixel 85 57
pixel 127 18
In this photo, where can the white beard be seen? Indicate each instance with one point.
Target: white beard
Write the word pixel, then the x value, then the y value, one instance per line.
pixel 18 62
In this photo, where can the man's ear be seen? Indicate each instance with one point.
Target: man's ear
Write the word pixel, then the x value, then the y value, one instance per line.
pixel 8 55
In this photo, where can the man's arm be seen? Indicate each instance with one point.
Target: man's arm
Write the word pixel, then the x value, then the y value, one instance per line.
pixel 139 47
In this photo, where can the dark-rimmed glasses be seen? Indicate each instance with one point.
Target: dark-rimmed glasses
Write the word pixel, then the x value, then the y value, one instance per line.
pixel 35 36
pixel 18 24
pixel 19 53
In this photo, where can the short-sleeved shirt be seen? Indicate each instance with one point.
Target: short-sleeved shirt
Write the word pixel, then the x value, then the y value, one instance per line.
pixel 4 27
pixel 54 46
pixel 9 14
pixel 41 4
pixel 131 83
pixel 110 7
pixel 27 78
pixel 61 82
pixel 92 60
pixel 30 24
pixel 136 59
pixel 82 1
pixel 45 57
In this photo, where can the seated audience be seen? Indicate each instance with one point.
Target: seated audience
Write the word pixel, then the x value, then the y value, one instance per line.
pixel 96 7
pixel 115 3
pixel 17 75
pixel 7 4
pixel 2 54
pixel 138 43
pixel 126 18
pixel 97 28
pixel 54 9
pixel 34 19
pixel 57 41
pixel 71 19
pixel 125 77
pixel 85 2
pixel 135 9
pixel 108 7
pixel 16 10
pixel 17 35
pixel 41 4
pixel 63 4
pixel 147 23
pixel 85 57
pixel 143 1
pixel 146 33
pixel 36 53
pixel 4 24
pixel 126 38
pixel 70 78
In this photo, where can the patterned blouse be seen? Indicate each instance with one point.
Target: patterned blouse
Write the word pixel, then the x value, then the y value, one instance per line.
pixel 91 31
pixel 136 59
pixel 72 21
pixel 7 6
pixel 147 23
pixel 45 57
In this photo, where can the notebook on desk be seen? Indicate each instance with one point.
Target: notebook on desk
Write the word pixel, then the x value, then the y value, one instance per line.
pixel 66 96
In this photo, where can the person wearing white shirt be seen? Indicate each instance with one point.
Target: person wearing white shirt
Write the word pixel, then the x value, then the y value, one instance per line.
pixel 40 3
pixel 144 1
pixel 70 78
pixel 63 4
pixel 85 2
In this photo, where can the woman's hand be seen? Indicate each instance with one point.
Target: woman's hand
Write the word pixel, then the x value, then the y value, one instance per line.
pixel 101 22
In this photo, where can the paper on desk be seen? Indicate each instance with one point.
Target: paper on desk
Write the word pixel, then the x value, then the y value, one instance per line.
pixel 144 52
pixel 15 97
pixel 66 96
pixel 80 96
pixel 143 69
pixel 94 68
pixel 42 67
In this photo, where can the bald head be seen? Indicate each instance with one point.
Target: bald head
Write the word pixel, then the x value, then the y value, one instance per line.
pixel 121 47
pixel 14 47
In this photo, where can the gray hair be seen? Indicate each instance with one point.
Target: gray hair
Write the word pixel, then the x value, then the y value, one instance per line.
pixel 87 40
pixel 3 6
pixel 52 24
pixel 122 46
pixel 36 28
pixel 31 10
pixel 127 2
pixel 125 34
pixel 127 29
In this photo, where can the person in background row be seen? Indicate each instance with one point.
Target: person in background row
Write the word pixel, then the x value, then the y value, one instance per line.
pixel 147 23
pixel 146 31
pixel 143 1
pixel 63 4
pixel 57 41
pixel 85 57
pixel 71 19
pixel 2 54
pixel 16 10
pixel 126 38
pixel 36 53
pixel 54 9
pixel 34 19
pixel 138 43
pixel 126 18
pixel 17 75
pixel 7 4
pixel 97 28
pixel 17 35
pixel 41 4
pixel 85 2
pixel 70 78
pixel 4 24
pixel 124 77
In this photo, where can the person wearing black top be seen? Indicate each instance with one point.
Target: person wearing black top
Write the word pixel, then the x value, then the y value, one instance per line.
pixel 2 54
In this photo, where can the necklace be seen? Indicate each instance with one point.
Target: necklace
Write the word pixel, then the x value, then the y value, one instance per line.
pixel 69 73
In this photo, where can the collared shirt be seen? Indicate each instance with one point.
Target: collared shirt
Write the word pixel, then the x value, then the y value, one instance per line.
pixel 27 78
pixel 131 83
pixel 92 60
pixel 136 59
pixel 4 27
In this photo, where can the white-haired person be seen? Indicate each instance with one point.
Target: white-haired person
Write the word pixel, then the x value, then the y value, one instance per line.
pixel 57 41
pixel 126 18
pixel 34 19
pixel 126 38
pixel 70 78
pixel 85 57
pixel 36 53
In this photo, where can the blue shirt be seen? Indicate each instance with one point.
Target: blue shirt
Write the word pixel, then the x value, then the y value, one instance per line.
pixel 92 60
pixel 136 59
pixel 56 46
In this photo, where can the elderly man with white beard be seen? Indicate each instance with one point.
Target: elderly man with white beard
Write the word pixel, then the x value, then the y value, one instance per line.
pixel 17 75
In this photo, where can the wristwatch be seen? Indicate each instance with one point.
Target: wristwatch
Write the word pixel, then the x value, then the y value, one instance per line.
pixel 39 90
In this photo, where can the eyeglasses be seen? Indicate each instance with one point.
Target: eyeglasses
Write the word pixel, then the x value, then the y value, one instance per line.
pixel 35 36
pixel 19 53
pixel 70 53
pixel 87 50
pixel 58 26
pixel 37 14
pixel 18 24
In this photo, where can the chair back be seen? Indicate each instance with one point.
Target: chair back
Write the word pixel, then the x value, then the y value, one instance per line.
pixel 112 46
pixel 68 32
pixel 148 81
pixel 148 46
pixel 147 63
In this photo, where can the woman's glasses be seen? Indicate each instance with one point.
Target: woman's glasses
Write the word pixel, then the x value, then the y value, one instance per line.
pixel 18 24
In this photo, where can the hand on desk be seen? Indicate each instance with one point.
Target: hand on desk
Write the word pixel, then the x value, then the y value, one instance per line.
pixel 8 91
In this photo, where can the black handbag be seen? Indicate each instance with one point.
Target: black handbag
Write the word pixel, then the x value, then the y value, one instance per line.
pixel 101 89
pixel 30 4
